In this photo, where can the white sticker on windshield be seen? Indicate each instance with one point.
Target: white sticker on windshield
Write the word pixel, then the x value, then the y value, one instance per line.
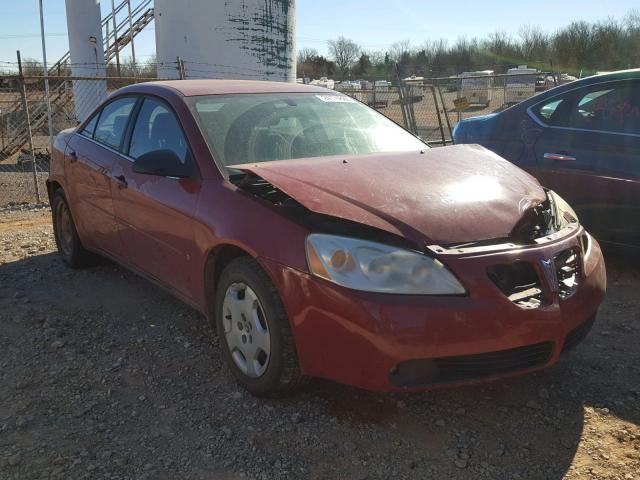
pixel 336 99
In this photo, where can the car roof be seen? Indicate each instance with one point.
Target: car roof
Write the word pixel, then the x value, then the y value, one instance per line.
pixel 189 88
pixel 566 87
pixel 605 77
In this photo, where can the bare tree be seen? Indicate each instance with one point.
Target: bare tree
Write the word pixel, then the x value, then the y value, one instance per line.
pixel 307 55
pixel 400 50
pixel 344 52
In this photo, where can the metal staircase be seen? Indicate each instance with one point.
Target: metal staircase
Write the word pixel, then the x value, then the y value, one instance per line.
pixel 59 91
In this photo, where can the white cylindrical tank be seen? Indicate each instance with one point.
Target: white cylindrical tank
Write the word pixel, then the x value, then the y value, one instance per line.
pixel 245 39
pixel 84 26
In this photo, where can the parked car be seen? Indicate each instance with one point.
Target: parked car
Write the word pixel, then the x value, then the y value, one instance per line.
pixel 321 239
pixel 582 140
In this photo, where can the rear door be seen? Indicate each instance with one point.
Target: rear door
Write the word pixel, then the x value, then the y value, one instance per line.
pixel 90 156
pixel 156 213
pixel 589 151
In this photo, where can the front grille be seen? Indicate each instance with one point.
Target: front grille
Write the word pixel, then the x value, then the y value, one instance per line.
pixel 568 269
pixel 424 372
pixel 519 282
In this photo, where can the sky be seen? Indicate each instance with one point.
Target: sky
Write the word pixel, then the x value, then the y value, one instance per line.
pixel 373 24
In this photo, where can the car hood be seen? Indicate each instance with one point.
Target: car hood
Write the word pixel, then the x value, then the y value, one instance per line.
pixel 448 195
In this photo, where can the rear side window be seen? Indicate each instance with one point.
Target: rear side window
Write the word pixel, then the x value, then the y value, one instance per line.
pixel 89 128
pixel 157 128
pixel 113 120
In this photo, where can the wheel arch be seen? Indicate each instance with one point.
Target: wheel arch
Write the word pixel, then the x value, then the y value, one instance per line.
pixel 52 187
pixel 217 259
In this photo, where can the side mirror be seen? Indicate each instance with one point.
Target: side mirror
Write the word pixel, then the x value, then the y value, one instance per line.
pixel 164 163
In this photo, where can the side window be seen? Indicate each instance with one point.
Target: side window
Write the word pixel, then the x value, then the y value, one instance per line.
pixel 547 112
pixel 157 128
pixel 113 121
pixel 610 108
pixel 89 128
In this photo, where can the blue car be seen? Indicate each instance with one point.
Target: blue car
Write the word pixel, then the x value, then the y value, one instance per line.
pixel 582 140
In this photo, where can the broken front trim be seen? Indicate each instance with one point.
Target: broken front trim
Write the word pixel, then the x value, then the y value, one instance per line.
pixel 504 246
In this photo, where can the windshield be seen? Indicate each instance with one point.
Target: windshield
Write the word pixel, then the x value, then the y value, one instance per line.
pixel 249 128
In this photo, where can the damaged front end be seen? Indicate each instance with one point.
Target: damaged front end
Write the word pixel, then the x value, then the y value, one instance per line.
pixel 520 280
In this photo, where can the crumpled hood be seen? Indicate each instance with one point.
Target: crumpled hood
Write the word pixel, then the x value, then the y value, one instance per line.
pixel 448 195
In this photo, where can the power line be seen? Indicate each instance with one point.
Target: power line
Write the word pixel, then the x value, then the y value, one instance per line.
pixel 31 35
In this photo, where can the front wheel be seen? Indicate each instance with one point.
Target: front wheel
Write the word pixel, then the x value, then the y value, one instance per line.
pixel 255 335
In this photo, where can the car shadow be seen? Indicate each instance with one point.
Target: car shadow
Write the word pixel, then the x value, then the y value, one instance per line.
pixel 525 427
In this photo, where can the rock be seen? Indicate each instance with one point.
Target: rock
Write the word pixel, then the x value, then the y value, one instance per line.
pixel 14 460
pixel 349 446
pixel 543 393
pixel 296 418
pixel 57 344
pixel 401 404
pixel 461 463
pixel 534 405
pixel 440 423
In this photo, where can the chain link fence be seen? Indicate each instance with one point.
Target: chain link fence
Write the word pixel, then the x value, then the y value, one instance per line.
pixel 429 108
pixel 25 133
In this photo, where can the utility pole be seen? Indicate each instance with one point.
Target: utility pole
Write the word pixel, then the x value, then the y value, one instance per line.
pixel 46 80
pixel 133 48
pixel 115 36
pixel 25 105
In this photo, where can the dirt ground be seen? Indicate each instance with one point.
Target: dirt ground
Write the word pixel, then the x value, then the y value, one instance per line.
pixel 104 376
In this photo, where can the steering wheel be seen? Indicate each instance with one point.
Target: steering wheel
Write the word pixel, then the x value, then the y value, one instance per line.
pixel 283 148
pixel 315 136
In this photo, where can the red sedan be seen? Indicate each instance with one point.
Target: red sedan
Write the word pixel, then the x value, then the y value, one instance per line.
pixel 323 240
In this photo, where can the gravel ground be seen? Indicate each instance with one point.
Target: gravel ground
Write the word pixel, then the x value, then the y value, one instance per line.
pixel 104 376
pixel 17 186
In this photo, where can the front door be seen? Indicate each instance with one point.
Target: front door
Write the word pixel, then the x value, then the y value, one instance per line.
pixel 156 213
pixel 589 152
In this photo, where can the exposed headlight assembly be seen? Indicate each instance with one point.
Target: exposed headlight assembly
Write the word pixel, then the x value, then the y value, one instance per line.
pixel 565 215
pixel 375 267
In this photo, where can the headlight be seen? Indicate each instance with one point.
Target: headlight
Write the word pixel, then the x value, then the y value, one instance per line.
pixel 565 215
pixel 375 267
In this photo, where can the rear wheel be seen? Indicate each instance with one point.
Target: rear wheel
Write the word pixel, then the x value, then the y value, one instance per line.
pixel 67 240
pixel 254 331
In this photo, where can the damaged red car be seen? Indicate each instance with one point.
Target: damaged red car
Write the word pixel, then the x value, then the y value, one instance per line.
pixel 323 240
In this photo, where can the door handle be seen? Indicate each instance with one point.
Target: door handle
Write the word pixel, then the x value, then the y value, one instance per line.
pixel 563 157
pixel 121 181
pixel 73 156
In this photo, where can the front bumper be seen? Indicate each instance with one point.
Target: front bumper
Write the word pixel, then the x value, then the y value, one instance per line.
pixel 389 342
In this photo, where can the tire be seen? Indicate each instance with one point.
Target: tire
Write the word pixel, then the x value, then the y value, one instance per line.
pixel 249 313
pixel 68 242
